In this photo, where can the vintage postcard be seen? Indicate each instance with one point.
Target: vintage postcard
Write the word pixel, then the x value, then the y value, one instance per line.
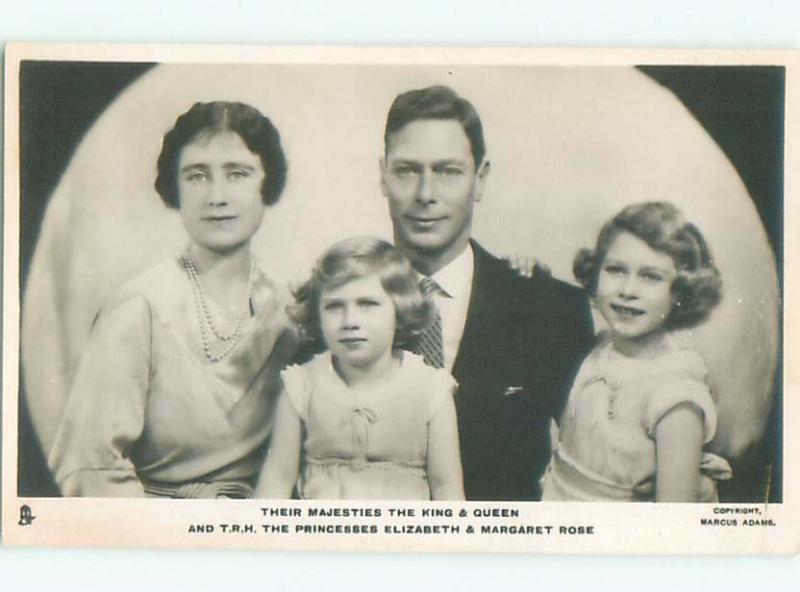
pixel 401 299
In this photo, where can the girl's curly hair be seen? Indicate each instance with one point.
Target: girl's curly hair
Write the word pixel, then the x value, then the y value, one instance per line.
pixel 358 257
pixel 696 289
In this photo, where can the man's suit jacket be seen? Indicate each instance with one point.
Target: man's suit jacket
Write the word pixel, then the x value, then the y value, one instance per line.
pixel 522 343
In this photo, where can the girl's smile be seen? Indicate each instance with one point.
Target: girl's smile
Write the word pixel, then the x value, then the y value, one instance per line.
pixel 634 293
pixel 627 311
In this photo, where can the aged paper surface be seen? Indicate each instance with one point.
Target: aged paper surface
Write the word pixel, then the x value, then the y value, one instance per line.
pixel 573 136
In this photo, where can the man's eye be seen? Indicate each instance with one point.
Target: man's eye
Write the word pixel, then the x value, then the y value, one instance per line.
pixel 367 303
pixel 404 171
pixel 450 171
pixel 332 306
pixel 614 269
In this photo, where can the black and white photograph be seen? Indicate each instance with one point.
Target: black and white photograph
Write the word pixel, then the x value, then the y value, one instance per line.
pixel 397 298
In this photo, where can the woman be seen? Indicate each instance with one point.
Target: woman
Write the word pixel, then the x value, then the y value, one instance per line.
pixel 174 395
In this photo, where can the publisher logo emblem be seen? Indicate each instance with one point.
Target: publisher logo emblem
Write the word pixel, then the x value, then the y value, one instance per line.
pixel 26 517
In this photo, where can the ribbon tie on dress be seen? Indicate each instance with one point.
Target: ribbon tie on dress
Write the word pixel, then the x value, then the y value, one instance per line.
pixel 360 419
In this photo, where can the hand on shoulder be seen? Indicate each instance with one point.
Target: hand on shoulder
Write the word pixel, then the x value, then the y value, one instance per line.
pixel 526 266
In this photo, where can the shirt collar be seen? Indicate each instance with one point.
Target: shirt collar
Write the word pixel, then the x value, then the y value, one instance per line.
pixel 455 278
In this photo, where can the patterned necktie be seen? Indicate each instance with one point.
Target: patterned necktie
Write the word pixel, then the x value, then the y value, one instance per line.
pixel 430 340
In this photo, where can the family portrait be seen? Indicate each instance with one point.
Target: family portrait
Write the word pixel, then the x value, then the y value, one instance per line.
pixel 447 282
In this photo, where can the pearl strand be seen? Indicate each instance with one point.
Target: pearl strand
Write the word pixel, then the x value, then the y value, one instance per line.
pixel 204 314
pixel 192 271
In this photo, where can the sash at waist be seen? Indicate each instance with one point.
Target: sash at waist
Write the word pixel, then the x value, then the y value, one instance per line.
pixel 213 489
pixel 566 479
pixel 358 464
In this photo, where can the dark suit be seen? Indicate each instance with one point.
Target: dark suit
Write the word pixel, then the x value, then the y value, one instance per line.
pixel 522 343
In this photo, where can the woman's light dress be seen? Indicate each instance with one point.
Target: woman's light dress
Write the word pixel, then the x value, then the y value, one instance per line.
pixel 149 415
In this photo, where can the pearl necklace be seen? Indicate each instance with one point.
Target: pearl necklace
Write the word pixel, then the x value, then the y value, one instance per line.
pixel 204 313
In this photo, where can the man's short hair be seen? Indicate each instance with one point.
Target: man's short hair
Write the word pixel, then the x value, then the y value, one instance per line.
pixel 436 103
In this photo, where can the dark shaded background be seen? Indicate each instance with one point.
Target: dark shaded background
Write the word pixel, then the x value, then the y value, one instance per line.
pixel 741 107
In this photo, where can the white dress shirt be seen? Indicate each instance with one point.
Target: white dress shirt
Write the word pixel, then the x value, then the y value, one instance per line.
pixel 455 279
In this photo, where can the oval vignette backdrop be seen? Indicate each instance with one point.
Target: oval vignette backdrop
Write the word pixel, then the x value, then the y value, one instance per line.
pixel 569 147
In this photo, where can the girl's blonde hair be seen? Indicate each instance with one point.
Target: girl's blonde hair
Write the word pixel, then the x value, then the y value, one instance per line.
pixel 696 289
pixel 355 258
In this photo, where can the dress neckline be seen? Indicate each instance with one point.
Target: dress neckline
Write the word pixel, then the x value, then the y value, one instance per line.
pixel 379 385
pixel 619 368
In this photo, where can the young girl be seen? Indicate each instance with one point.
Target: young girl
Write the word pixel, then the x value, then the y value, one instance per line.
pixel 364 419
pixel 640 411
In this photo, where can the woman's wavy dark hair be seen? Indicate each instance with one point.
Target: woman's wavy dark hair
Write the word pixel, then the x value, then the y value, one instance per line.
pixel 355 258
pixel 256 131
pixel 697 287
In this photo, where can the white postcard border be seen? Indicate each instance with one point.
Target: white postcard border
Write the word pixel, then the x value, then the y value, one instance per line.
pixel 628 528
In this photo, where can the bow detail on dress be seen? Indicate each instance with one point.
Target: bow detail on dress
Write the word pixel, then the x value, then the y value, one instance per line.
pixel 360 419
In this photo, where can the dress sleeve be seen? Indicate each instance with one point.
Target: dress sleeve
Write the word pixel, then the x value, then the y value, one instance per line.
pixel 104 416
pixel 676 392
pixel 297 389
pixel 443 387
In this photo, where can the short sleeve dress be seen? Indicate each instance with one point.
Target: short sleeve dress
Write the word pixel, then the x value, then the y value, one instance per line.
pixel 366 443
pixel 606 449
pixel 149 415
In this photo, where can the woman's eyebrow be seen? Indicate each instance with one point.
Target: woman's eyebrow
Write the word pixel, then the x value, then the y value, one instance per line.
pixel 194 166
pixel 238 165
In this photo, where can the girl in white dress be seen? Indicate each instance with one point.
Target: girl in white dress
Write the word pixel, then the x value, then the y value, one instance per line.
pixel 364 419
pixel 640 412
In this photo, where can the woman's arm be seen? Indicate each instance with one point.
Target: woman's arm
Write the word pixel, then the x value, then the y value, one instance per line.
pixel 444 456
pixel 106 407
pixel 679 447
pixel 282 465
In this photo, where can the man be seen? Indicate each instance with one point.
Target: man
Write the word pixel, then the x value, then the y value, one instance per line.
pixel 512 343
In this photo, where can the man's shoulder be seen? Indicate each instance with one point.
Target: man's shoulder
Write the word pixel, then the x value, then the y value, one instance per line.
pixel 541 287
pixel 545 283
